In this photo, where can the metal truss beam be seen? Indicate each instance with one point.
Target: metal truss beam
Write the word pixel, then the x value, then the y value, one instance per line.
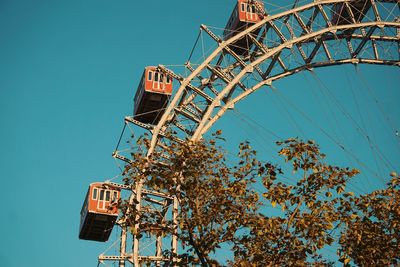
pixel 320 37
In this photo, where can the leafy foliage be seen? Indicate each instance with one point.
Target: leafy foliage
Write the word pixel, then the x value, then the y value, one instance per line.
pixel 310 210
pixel 219 204
pixel 372 227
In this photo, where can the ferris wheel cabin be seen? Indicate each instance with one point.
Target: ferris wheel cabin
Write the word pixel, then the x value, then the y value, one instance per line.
pixel 99 212
pixel 244 14
pixel 341 14
pixel 152 95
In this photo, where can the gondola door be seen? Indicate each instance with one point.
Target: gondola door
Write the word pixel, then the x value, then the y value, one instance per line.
pixel 156 81
pixel 250 12
pixel 102 202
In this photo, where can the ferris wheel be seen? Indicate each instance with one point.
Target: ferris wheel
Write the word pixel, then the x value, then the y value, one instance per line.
pixel 254 50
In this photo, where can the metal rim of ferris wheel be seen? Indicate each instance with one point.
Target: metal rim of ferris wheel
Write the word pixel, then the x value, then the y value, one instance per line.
pixel 306 32
pixel 261 60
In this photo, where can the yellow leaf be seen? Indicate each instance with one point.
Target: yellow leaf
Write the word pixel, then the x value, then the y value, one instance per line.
pixel 273 203
pixel 339 189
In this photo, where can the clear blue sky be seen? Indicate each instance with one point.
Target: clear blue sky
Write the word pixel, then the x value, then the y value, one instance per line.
pixel 68 72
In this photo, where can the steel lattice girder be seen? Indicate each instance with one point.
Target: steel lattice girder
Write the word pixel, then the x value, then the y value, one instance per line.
pixel 309 32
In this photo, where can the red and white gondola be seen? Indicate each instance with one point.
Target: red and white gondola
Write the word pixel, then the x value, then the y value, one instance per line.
pixel 99 212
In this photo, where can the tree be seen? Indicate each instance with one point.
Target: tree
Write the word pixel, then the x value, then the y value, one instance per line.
pixel 372 227
pixel 216 201
pixel 310 211
pixel 219 204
